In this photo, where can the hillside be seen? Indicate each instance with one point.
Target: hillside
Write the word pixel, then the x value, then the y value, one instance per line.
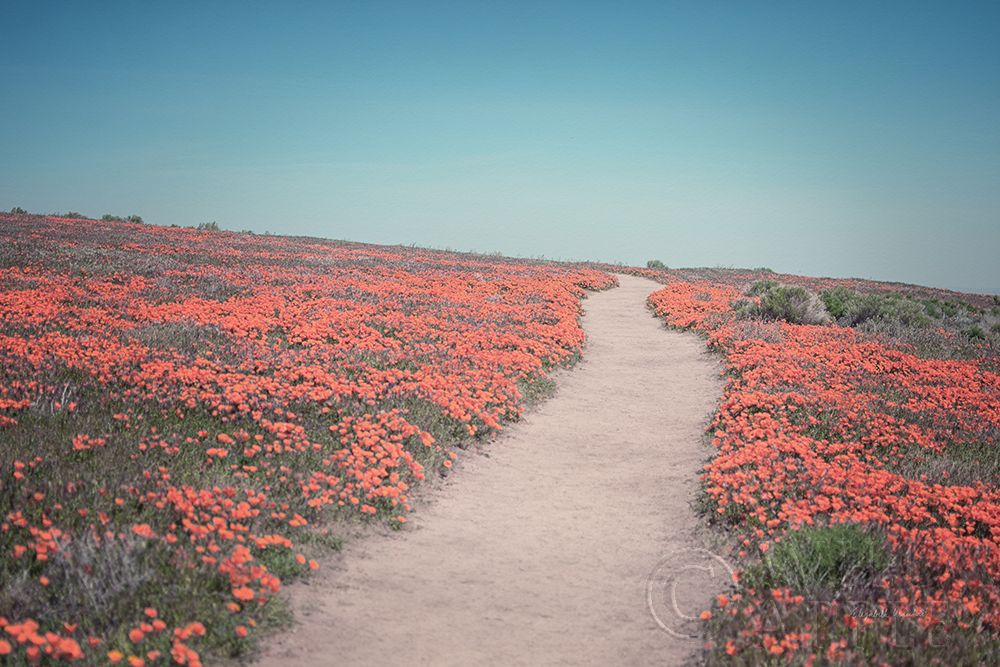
pixel 181 408
pixel 190 418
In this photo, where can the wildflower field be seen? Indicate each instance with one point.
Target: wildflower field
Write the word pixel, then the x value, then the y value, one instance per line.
pixel 188 417
pixel 857 469
pixel 184 413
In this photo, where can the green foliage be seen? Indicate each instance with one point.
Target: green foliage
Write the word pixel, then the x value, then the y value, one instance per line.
pixel 790 303
pixel 836 300
pixel 851 308
pixel 762 286
pixel 17 210
pixel 819 560
pixel 975 332
pixel 208 226
pixel 655 264
pixel 890 307
pixel 536 389
pixel 933 308
pixel 107 217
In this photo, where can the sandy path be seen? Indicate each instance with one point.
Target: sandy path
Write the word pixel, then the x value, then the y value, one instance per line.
pixel 538 552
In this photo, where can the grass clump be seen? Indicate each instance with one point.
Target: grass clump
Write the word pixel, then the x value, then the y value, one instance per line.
pixel 822 561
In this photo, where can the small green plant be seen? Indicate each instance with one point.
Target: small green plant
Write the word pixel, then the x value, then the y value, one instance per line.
pixel 17 210
pixel 933 308
pixel 655 264
pixel 975 332
pixel 821 561
pixel 208 226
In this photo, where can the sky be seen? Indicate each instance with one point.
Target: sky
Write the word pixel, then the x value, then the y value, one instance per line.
pixel 849 139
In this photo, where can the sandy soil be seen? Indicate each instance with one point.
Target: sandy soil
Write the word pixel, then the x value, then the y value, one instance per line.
pixel 540 550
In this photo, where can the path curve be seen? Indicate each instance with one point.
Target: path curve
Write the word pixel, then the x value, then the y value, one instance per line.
pixel 538 551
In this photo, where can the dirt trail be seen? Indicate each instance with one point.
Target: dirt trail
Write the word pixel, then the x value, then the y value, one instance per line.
pixel 538 551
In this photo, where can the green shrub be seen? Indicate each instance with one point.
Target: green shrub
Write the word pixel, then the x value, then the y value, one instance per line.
pixel 933 308
pixel 790 303
pixel 107 217
pixel 874 306
pixel 851 308
pixel 17 210
pixel 950 308
pixel 762 286
pixel 208 226
pixel 655 264
pixel 836 300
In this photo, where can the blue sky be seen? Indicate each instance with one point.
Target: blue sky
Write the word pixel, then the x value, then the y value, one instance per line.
pixel 845 139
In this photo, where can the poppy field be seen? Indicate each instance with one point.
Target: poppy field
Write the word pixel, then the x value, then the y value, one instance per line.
pixel 857 471
pixel 190 417
pixel 186 413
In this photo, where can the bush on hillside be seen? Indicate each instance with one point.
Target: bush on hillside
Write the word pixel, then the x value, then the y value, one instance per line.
pixel 836 300
pixel 107 217
pixel 789 303
pixel 762 286
pixel 851 308
pixel 655 264
pixel 874 306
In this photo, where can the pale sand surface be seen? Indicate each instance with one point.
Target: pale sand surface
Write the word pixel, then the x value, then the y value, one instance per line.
pixel 538 551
